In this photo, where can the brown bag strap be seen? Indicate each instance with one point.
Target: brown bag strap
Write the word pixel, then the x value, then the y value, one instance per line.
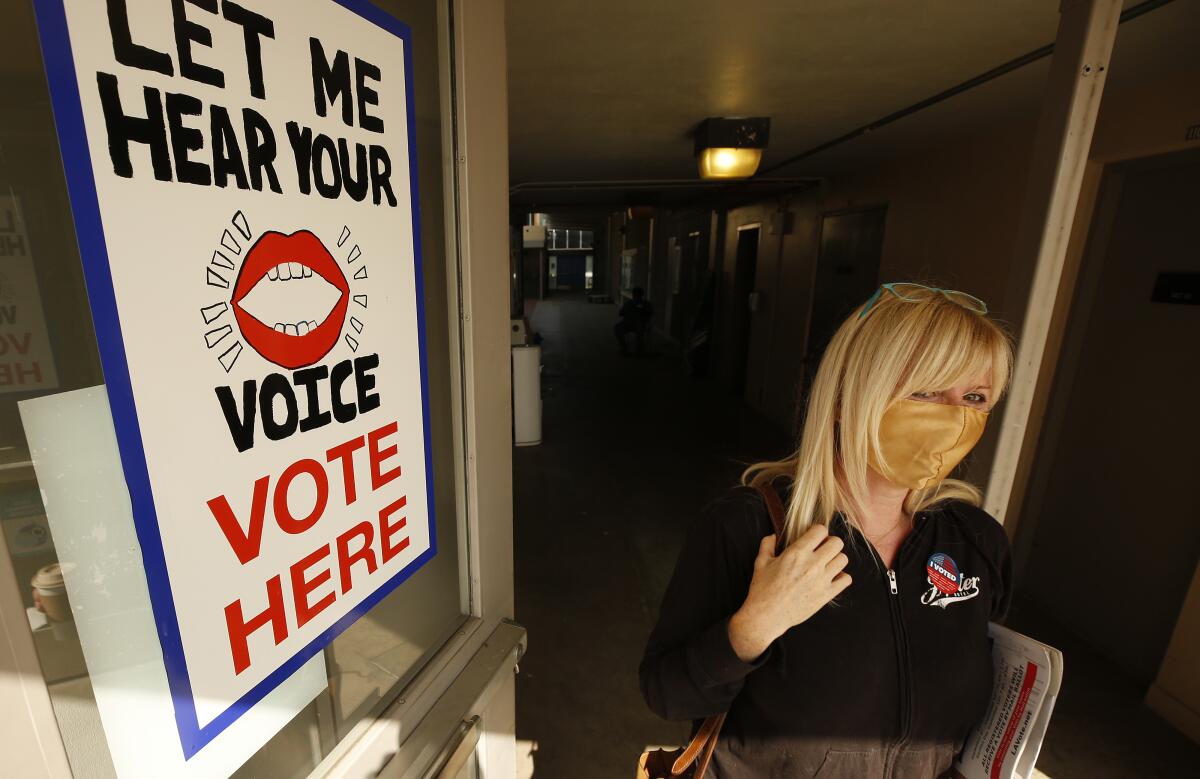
pixel 706 756
pixel 701 745
pixel 775 509
pixel 705 740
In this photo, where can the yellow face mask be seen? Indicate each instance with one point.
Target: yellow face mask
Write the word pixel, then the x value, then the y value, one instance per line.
pixel 922 442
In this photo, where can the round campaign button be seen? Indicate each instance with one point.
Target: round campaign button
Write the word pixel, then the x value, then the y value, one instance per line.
pixel 943 573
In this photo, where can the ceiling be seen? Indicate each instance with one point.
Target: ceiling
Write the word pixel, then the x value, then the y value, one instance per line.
pixel 611 91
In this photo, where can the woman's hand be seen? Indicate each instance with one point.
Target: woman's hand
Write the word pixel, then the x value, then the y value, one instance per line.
pixel 787 589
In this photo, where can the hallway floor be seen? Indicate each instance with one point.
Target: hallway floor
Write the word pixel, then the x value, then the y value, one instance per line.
pixel 632 449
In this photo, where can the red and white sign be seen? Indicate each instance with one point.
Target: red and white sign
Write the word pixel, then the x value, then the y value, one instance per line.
pixel 255 279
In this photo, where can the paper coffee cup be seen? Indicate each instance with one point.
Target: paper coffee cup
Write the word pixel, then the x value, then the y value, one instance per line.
pixel 51 593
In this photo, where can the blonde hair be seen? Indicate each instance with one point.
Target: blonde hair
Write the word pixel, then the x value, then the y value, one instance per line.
pixel 898 348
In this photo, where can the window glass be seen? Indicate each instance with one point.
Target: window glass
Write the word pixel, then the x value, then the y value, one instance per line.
pixel 48 346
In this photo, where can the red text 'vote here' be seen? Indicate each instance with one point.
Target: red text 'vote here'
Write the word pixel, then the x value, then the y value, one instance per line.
pixel 302 590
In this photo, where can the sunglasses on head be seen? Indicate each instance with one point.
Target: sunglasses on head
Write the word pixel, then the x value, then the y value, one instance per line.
pixel 911 293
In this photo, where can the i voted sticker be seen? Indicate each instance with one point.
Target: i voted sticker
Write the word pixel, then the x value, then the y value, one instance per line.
pixel 943 573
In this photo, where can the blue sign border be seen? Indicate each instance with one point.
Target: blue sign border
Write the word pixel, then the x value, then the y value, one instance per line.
pixel 81 185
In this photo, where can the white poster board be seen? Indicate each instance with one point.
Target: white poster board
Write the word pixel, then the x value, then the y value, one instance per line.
pixel 74 449
pixel 242 177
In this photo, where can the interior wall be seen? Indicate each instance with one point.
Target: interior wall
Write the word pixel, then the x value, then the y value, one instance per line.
pixel 678 226
pixel 851 247
pixel 790 303
pixel 1175 694
pixel 953 211
pixel 1143 525
pixel 638 234
pixel 771 298
pixel 656 271
pixel 951 219
pixel 612 256
pixel 1152 118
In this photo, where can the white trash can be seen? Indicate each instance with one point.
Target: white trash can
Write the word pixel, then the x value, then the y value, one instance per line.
pixel 527 395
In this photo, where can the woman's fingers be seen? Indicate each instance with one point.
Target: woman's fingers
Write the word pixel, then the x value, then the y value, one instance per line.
pixel 828 550
pixel 810 539
pixel 790 587
pixel 837 563
pixel 766 551
pixel 839 583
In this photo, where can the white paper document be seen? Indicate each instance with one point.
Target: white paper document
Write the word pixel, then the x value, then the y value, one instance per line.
pixel 1006 742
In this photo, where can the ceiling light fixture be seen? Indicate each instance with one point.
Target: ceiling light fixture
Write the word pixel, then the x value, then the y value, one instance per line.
pixel 731 148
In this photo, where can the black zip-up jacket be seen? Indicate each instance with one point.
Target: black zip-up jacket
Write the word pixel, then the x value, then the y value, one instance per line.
pixel 886 681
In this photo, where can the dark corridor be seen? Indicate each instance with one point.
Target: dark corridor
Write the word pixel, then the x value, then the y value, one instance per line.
pixel 632 449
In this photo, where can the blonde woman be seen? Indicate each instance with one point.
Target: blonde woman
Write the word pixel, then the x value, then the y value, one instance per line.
pixel 860 647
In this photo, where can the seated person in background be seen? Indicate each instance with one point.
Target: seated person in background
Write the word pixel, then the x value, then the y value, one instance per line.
pixel 635 315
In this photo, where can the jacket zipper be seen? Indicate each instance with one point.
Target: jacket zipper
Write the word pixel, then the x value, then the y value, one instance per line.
pixel 903 664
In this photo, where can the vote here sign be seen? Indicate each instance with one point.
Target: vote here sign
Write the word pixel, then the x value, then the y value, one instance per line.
pixel 243 179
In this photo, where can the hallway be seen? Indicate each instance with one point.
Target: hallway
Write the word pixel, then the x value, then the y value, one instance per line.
pixel 632 449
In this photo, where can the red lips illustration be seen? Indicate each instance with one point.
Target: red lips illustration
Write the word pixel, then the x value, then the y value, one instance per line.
pixel 290 349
